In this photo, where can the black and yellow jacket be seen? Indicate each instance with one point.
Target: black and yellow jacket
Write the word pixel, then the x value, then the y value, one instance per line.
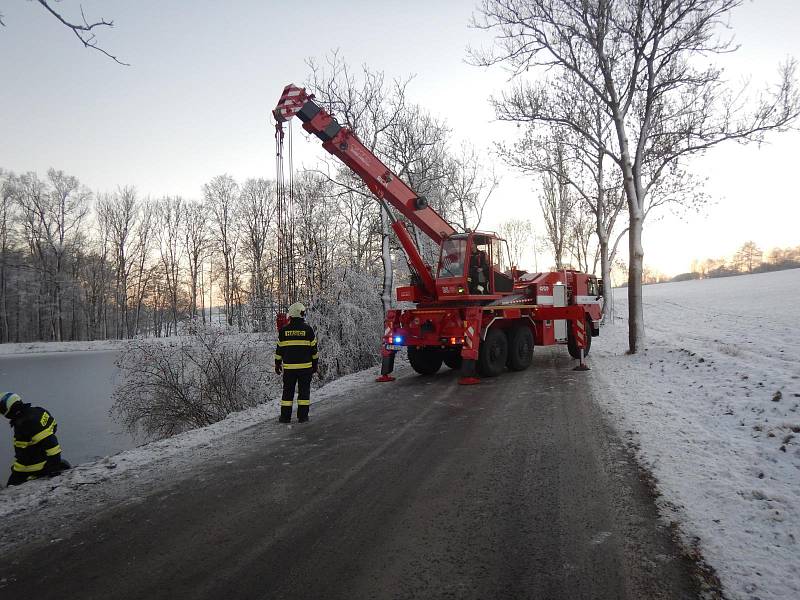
pixel 36 448
pixel 297 346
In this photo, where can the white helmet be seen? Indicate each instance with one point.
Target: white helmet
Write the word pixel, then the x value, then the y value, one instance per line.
pixel 297 310
pixel 7 400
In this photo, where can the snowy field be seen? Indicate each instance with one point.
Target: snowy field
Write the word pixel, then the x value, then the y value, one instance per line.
pixel 711 405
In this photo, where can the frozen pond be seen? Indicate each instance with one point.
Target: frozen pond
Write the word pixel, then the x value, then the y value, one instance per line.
pixel 76 388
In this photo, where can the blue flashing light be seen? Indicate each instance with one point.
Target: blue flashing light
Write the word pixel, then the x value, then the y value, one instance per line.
pixel 398 339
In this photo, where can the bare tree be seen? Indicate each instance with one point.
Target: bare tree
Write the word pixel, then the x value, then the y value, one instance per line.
pixel 118 215
pixel 195 244
pixel 319 230
pixel 415 148
pixel 518 234
pixel 581 228
pixel 143 268
pixel 53 214
pixel 257 208
pixel 467 188
pixel 69 207
pixel 95 278
pixel 637 60
pixel 7 206
pixel 558 200
pixel 221 194
pixel 369 106
pixel 748 257
pixel 170 216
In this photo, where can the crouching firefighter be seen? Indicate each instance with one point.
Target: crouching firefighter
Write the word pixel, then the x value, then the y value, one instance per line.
pixel 36 449
pixel 296 357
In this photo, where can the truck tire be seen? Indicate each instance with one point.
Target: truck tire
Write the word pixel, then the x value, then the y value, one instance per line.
pixel 493 353
pixel 520 348
pixel 572 345
pixel 425 361
pixel 452 358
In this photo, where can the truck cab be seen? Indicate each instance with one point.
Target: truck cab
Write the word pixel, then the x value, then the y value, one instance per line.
pixel 473 266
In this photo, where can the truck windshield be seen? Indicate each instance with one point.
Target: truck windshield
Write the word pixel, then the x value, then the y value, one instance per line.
pixel 452 260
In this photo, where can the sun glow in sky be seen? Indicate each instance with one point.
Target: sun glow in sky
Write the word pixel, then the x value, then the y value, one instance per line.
pixel 196 102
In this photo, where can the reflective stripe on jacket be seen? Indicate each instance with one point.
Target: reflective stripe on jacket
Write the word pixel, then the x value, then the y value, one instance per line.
pixel 297 346
pixel 35 444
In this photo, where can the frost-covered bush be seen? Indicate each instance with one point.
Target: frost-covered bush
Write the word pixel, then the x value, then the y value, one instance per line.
pixel 172 385
pixel 348 319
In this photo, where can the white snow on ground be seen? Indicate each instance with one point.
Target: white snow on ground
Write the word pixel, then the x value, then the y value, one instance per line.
pixel 712 405
pixel 92 346
pixel 45 347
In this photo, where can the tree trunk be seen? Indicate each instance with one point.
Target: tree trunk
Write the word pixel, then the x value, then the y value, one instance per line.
pixel 633 192
pixel 636 262
pixel 605 267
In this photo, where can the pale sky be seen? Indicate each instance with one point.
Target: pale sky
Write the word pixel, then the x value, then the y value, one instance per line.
pixel 205 75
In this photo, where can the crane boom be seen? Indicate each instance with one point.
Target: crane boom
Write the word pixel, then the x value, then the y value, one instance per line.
pixel 340 141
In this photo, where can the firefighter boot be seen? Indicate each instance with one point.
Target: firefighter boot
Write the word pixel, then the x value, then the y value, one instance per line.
pixel 286 413
pixel 302 412
pixel 303 396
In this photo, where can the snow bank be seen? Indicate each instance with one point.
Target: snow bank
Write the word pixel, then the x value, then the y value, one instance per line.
pixel 711 404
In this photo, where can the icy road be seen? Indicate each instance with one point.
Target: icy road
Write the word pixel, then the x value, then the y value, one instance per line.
pixel 416 489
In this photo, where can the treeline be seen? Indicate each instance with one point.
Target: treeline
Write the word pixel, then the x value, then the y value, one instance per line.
pixel 75 265
pixel 748 259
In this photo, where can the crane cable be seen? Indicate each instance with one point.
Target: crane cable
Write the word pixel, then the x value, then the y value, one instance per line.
pixel 285 201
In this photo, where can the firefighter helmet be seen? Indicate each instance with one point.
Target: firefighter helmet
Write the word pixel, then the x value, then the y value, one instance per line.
pixel 297 310
pixel 7 400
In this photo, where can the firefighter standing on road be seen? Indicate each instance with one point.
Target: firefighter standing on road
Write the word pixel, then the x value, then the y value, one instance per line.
pixel 296 357
pixel 36 449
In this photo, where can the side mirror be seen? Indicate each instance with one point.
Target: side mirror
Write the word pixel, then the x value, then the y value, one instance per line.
pixel 600 289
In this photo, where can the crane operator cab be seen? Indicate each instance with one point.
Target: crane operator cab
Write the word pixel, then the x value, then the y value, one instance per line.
pixel 473 264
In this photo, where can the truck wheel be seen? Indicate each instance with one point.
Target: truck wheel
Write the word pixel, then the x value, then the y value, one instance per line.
pixel 493 353
pixel 425 361
pixel 452 358
pixel 520 348
pixel 572 345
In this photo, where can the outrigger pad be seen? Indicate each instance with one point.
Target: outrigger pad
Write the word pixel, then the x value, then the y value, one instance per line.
pixel 469 381
pixel 582 367
pixel 384 378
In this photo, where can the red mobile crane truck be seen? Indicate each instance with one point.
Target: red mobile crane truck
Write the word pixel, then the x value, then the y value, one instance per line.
pixel 477 314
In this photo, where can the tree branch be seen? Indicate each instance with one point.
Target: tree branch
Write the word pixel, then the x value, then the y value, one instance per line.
pixel 84 32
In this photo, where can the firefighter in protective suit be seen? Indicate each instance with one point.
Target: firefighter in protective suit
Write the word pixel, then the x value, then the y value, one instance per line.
pixel 36 449
pixel 296 357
